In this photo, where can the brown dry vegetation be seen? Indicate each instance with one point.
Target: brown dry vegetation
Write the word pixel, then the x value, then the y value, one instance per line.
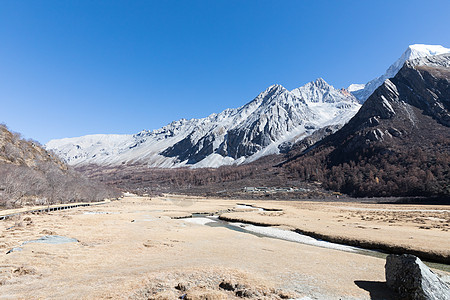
pixel 30 175
pixel 133 248
pixel 376 171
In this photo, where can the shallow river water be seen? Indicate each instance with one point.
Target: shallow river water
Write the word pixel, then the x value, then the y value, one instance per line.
pixel 287 235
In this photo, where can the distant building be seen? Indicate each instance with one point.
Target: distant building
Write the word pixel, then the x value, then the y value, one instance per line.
pixel 251 189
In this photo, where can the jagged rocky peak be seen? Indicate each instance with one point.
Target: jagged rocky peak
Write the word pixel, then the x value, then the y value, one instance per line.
pixel 405 103
pixel 275 88
pixel 413 52
pixel 271 93
pixel 320 83
pixel 319 91
pixel 253 127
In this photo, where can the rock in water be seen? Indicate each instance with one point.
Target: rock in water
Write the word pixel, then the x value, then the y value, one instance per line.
pixel 412 279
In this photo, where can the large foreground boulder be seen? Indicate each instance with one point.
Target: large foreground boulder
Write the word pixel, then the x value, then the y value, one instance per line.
pixel 408 276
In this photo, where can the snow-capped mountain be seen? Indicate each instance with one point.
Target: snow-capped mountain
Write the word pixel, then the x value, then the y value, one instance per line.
pixel 275 117
pixel 363 91
pixel 269 124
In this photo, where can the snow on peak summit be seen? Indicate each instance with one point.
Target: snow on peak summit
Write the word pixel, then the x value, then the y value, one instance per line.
pixel 274 89
pixel 320 82
pixel 319 91
pixel 422 50
pixel 412 52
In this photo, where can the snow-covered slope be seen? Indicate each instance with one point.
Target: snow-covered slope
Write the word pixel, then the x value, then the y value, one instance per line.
pixel 362 92
pixel 275 117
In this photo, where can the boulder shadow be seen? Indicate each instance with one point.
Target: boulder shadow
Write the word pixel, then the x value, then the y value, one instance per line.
pixel 378 290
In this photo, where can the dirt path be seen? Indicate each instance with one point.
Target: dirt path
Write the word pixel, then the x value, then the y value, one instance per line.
pixel 134 249
pixel 8 213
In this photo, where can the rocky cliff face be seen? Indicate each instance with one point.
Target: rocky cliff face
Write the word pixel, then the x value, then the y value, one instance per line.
pixel 399 141
pixel 404 107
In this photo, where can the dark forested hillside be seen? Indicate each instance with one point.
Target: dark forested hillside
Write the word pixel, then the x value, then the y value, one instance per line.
pixel 398 144
pixel 31 175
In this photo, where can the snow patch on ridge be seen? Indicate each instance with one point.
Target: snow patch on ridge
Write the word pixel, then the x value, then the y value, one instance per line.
pixel 355 87
pixel 413 52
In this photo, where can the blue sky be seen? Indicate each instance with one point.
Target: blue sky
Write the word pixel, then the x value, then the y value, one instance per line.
pixel 71 68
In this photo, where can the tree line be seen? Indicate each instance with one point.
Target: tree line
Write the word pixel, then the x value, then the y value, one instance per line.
pixel 377 171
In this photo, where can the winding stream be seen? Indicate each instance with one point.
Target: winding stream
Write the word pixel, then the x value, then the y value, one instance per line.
pixel 291 236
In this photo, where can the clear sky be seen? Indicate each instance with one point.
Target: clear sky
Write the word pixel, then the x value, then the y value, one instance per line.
pixel 71 68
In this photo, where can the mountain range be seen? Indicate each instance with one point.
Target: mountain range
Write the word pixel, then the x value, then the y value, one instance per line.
pixel 271 123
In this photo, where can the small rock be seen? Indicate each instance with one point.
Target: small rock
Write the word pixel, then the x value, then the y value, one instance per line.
pixel 14 249
pixel 375 135
pixel 182 286
pixel 227 285
pixel 373 121
pixel 244 293
pixel 408 276
pixel 286 295
pixel 395 132
pixel 148 244
pixel 23 271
